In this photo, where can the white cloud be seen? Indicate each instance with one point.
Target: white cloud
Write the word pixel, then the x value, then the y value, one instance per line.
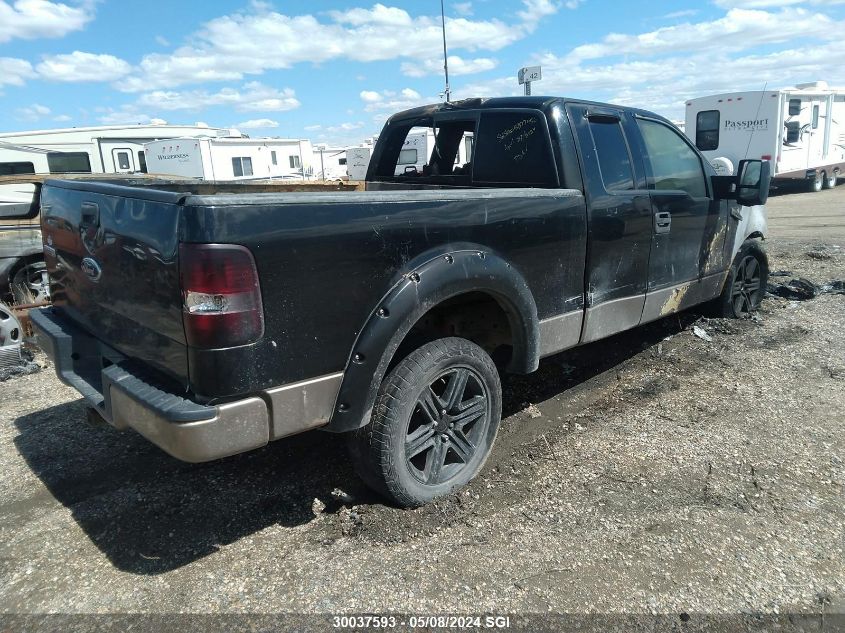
pixel 392 101
pixel 370 96
pixel 162 41
pixel 32 112
pixel 762 4
pixel 457 66
pixel 684 13
pixel 740 29
pixel 79 66
pixel 463 8
pixel 249 43
pixel 30 19
pixel 62 118
pixel 251 97
pixel 124 115
pixel 666 68
pixel 14 71
pixel 253 124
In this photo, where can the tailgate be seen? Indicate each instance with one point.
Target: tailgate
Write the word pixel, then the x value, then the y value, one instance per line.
pixel 111 252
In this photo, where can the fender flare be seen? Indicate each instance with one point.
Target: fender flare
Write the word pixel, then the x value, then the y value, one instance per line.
pixel 753 222
pixel 421 288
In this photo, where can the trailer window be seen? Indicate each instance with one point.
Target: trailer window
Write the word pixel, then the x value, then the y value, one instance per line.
pixel 612 152
pixel 273 157
pixel 294 162
pixel 12 169
pixel 407 157
pixel 794 107
pixel 341 161
pixel 68 162
pixel 675 165
pixel 515 150
pixel 242 166
pixel 815 116
pixel 142 161
pixel 707 130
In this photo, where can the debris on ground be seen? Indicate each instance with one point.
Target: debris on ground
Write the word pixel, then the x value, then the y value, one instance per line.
pixel 798 289
pixel 781 273
pixel 801 289
pixel 343 497
pixel 533 411
pixel 701 333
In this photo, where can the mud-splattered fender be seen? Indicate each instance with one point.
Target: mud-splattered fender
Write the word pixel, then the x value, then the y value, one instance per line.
pixel 441 277
pixel 752 222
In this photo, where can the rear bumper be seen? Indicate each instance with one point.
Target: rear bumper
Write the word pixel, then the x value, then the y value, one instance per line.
pixel 185 429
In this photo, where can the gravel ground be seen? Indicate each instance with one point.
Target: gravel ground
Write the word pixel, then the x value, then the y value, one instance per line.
pixel 655 472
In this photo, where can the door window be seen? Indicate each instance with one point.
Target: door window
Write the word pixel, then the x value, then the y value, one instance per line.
pixel 815 116
pixel 612 152
pixel 675 165
pixel 123 160
pixel 707 130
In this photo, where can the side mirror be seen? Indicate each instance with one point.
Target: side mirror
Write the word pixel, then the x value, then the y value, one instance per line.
pixel 753 180
pixel 19 201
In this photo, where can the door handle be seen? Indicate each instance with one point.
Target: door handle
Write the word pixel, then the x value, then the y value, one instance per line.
pixel 662 222
pixel 90 214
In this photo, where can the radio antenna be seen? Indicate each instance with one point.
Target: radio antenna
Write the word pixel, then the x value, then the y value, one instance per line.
pixel 756 116
pixel 445 56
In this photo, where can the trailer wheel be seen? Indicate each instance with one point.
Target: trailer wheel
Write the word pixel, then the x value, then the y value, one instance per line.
pixel 830 182
pixel 817 183
pixel 433 424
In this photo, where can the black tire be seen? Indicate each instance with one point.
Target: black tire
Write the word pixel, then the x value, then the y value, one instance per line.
pixel 816 183
pixel 29 283
pixel 433 424
pixel 745 286
pixel 830 181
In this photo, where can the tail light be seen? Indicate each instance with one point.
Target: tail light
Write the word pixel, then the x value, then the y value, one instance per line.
pixel 221 298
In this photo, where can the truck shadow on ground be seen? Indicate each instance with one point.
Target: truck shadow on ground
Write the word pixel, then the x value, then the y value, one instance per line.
pixel 149 513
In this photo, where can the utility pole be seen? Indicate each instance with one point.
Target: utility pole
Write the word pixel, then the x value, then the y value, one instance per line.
pixel 445 55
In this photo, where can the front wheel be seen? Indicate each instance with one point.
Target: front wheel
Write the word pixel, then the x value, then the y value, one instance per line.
pixel 433 424
pixel 745 286
pixel 816 184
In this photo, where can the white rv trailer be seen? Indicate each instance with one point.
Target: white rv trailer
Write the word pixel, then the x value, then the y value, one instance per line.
pixel 102 149
pixel 225 159
pixel 418 147
pixel 801 131
pixel 338 163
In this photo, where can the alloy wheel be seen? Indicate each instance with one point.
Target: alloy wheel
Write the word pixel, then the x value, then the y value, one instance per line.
pixel 747 287
pixel 447 426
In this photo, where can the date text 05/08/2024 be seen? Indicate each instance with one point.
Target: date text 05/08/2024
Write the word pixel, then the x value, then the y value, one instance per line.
pixel 421 621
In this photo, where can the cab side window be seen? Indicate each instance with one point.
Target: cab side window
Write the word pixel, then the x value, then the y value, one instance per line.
pixel 612 152
pixel 513 149
pixel 674 164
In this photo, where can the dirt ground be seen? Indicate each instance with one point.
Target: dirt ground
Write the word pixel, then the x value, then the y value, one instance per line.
pixel 655 472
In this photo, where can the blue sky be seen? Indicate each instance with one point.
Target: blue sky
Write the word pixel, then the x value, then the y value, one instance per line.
pixel 333 71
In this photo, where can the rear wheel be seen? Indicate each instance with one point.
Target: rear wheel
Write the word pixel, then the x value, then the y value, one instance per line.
pixel 746 283
pixel 817 182
pixel 433 425
pixel 830 182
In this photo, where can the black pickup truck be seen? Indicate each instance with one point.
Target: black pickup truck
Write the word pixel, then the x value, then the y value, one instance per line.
pixel 213 321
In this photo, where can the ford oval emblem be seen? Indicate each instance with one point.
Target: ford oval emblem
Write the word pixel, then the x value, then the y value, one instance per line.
pixel 91 269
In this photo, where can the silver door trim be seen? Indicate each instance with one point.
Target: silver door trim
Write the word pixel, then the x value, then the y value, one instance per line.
pixel 560 332
pixel 612 317
pixel 660 303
